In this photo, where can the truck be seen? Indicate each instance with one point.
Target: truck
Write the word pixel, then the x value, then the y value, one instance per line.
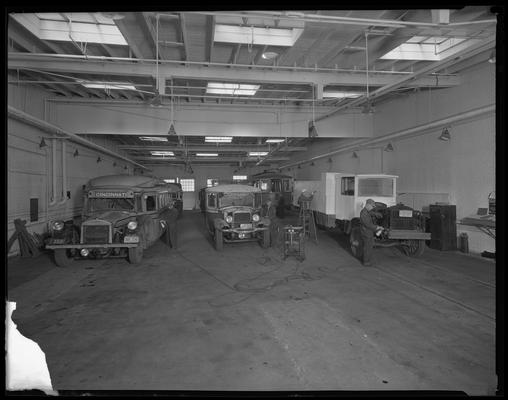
pixel 339 197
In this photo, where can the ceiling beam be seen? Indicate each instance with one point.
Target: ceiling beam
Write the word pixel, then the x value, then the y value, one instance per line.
pixel 185 41
pixel 91 66
pixel 123 27
pixel 208 159
pixel 54 87
pixel 210 37
pixel 234 53
pixel 221 148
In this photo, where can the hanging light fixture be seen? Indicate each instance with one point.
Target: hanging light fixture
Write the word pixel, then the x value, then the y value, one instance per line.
pixel 114 164
pixel 312 125
pixel 445 135
pixel 172 126
pixel 355 154
pixel 389 147
pixel 76 153
pixel 99 159
pixel 42 144
pixel 492 58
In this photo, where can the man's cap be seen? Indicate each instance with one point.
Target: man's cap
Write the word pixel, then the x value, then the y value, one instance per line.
pixel 370 201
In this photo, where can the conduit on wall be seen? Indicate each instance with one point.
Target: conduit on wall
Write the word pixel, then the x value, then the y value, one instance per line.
pixel 46 126
pixel 417 130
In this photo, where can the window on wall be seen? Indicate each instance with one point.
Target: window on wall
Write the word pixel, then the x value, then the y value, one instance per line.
pixel 212 182
pixel 187 185
pixel 347 186
pixel 239 178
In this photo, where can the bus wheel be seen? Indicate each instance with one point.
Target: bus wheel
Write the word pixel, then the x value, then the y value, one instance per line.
pixel 64 258
pixel 219 244
pixel 135 254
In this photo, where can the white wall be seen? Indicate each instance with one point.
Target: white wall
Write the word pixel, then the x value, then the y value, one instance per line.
pixel 461 170
pixel 29 168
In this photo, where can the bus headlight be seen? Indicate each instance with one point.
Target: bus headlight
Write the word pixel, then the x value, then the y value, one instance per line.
pixel 57 225
pixel 132 225
pixel 84 252
pixel 255 217
pixel 229 219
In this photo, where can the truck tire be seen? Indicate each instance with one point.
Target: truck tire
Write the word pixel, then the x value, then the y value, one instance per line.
pixel 415 248
pixel 356 242
pixel 135 254
pixel 265 241
pixel 63 259
pixel 219 244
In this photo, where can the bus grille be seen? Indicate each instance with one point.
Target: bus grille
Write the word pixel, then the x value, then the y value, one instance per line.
pixel 95 234
pixel 241 218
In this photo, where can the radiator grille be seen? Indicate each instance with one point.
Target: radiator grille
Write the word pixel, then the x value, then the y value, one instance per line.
pixel 241 217
pixel 405 223
pixel 93 234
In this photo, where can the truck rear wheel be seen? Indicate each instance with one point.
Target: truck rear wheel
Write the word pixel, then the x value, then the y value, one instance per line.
pixel 415 248
pixel 135 254
pixel 64 258
pixel 356 242
pixel 219 244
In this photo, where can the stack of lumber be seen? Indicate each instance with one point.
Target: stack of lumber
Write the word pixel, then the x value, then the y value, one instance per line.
pixel 28 244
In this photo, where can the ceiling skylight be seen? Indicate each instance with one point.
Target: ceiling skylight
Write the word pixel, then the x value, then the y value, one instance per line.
pixel 107 85
pixel 162 153
pixel 238 89
pixel 253 35
pixel 274 140
pixel 429 48
pixel 153 138
pixel 257 153
pixel 207 154
pixel 72 27
pixel 341 95
pixel 218 139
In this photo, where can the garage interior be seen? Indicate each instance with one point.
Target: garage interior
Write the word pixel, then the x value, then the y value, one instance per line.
pixel 207 97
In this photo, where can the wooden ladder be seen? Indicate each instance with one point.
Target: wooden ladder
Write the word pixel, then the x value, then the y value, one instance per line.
pixel 307 220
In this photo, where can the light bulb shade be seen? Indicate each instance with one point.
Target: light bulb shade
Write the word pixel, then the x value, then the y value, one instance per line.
pixel 492 58
pixel 312 130
pixel 76 153
pixel 99 159
pixel 445 135
pixel 355 154
pixel 42 143
pixel 389 147
pixel 171 130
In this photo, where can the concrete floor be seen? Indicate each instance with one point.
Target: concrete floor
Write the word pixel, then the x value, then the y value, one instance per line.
pixel 243 319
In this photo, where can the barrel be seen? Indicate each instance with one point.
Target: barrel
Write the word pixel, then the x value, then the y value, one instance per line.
pixel 463 243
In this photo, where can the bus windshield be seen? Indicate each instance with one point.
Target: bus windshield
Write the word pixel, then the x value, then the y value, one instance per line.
pixel 239 199
pixel 102 204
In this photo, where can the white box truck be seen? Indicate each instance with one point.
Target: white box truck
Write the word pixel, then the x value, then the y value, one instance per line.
pixel 339 198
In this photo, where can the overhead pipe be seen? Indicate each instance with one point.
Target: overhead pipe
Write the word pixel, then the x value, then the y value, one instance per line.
pixel 420 129
pixel 27 118
pixel 386 23
pixel 53 172
pixel 64 173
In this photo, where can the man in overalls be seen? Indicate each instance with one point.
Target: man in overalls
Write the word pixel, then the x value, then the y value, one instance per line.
pixel 367 229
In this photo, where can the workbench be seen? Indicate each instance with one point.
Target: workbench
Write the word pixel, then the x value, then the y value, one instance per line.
pixel 485 223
